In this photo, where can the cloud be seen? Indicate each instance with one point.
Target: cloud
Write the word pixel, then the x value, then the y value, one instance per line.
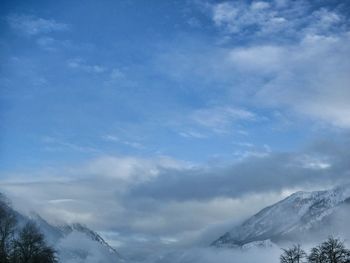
pixel 31 25
pixel 154 203
pixel 219 119
pixel 315 166
pixel 261 59
pixel 51 44
pixel 117 74
pixel 141 183
pixel 211 255
pixel 90 250
pixel 192 134
pixel 130 168
pixel 262 18
pixel 57 145
pixel 310 78
pixel 300 71
pixel 204 122
pixel 254 174
pixel 241 17
pixel 80 64
pixel 116 139
pixel 111 138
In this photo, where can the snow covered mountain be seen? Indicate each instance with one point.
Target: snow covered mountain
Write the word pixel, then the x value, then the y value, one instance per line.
pixel 301 215
pixel 74 243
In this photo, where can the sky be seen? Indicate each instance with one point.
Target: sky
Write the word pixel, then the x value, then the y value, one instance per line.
pixel 166 122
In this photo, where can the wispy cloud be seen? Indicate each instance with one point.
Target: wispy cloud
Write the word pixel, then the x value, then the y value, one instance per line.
pixel 310 78
pixel 52 144
pixel 31 25
pixel 301 70
pixel 51 44
pixel 80 64
pixel 111 138
pixel 263 18
pixel 116 139
pixel 192 134
pixel 220 119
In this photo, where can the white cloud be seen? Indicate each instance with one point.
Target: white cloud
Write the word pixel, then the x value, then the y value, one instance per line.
pixel 259 5
pixel 116 139
pixel 311 78
pixel 111 138
pixel 55 145
pixel 324 21
pixel 313 162
pixel 224 13
pixel 165 200
pixel 91 251
pixel 51 44
pixel 30 25
pixel 80 64
pixel 212 255
pixel 235 17
pixel 117 74
pixel 220 119
pixel 303 71
pixel 132 170
pixel 266 58
pixel 260 18
pixel 192 134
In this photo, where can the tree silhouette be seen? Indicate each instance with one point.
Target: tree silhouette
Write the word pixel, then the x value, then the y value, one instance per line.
pixel 330 251
pixel 293 255
pixel 30 247
pixel 334 251
pixel 316 255
pixel 25 245
pixel 7 229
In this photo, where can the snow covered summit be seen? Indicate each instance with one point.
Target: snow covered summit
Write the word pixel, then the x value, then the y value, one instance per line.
pixel 300 214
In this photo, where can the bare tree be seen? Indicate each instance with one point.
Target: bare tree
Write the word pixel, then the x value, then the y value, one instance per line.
pixel 30 247
pixel 316 255
pixel 293 255
pixel 7 228
pixel 330 251
pixel 334 251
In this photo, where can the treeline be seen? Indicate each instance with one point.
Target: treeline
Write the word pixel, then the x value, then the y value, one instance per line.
pixel 330 251
pixel 21 244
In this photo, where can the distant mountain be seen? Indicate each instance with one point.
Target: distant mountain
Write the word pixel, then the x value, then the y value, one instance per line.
pixel 74 243
pixel 300 216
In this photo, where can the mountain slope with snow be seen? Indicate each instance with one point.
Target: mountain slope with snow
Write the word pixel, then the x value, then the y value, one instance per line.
pixel 300 214
pixel 74 243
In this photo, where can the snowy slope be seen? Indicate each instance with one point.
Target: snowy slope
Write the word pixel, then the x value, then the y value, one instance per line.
pixel 299 214
pixel 74 243
pixel 69 229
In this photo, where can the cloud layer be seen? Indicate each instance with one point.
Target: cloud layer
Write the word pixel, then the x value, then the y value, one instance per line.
pixel 169 202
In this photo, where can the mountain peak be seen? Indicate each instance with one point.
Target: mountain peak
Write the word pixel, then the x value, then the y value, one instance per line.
pixel 296 214
pixel 63 238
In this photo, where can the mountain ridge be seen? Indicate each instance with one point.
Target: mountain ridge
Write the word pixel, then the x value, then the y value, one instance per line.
pixel 64 239
pixel 298 214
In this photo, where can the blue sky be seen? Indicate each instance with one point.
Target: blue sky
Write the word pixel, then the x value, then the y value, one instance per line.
pixel 120 77
pixel 136 97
